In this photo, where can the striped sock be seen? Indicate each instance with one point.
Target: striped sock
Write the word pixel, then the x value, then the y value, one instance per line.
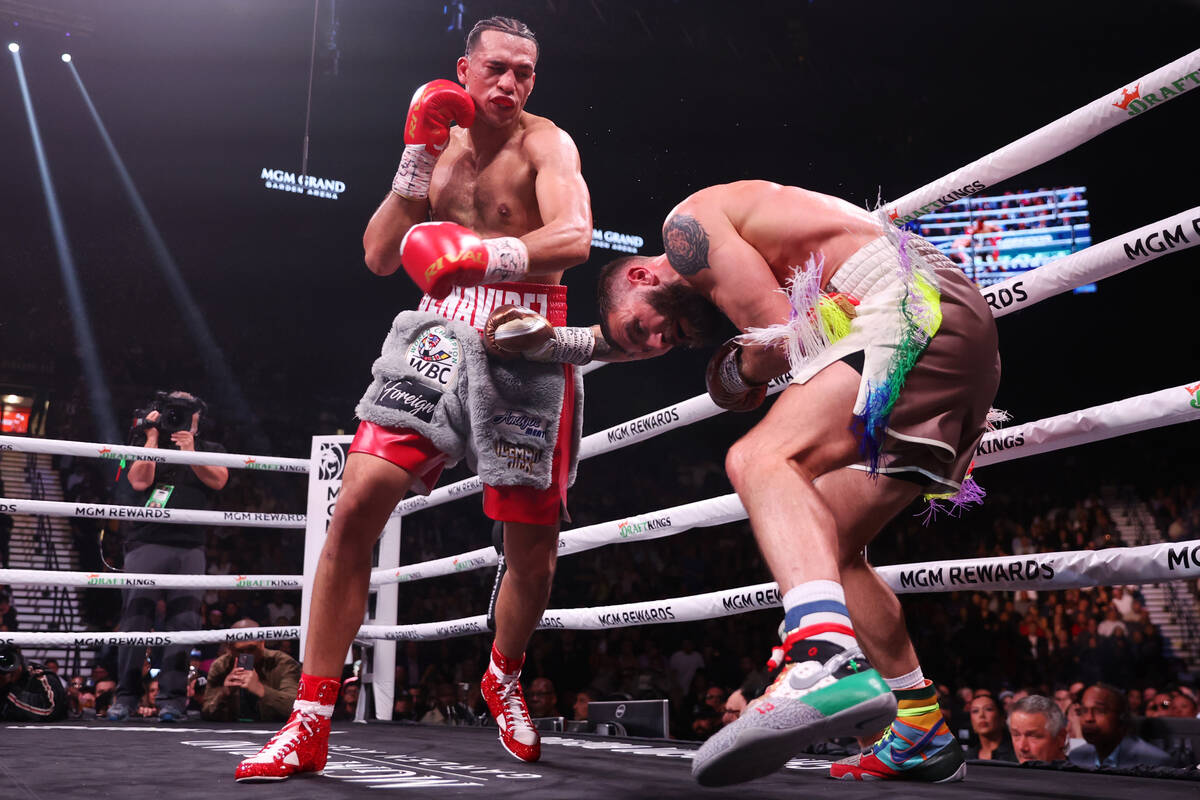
pixel 918 707
pixel 817 610
pixel 917 733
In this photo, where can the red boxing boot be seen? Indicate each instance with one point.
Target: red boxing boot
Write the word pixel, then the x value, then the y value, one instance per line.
pixel 501 688
pixel 303 743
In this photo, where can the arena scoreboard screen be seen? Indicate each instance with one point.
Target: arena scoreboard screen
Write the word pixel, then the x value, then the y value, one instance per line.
pixel 998 236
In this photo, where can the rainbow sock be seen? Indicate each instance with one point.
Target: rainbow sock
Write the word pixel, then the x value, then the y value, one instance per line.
pixel 918 730
pixel 918 707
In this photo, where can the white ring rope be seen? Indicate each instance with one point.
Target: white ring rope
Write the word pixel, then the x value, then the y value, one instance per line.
pixel 110 452
pixel 1052 140
pixel 1118 418
pixel 1095 263
pixel 171 516
pixel 146 638
pixel 1157 409
pixel 1043 571
pixel 136 580
pixel 1142 412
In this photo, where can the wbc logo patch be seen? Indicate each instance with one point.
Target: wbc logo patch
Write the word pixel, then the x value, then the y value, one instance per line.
pixel 435 357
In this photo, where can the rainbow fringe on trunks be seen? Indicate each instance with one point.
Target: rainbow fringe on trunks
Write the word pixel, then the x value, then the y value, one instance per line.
pixel 969 492
pixel 817 320
pixel 921 310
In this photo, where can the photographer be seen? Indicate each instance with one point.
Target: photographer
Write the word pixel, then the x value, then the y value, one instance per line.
pixel 171 422
pixel 251 682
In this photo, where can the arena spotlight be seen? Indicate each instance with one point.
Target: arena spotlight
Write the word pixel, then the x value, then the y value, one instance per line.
pixel 228 390
pixel 66 57
pixel 86 349
pixel 13 47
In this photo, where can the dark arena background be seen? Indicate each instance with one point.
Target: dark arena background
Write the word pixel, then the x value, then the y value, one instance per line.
pixel 184 200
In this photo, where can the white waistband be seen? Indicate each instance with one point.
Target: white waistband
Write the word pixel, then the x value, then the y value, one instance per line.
pixel 868 268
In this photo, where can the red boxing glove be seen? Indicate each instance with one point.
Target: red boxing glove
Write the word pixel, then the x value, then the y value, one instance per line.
pixel 726 386
pixel 441 255
pixel 435 107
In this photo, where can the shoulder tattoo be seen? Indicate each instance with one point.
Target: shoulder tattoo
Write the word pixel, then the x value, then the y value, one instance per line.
pixel 686 243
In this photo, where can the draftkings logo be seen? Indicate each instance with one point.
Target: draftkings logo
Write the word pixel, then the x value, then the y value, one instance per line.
pixel 628 528
pixel 1193 391
pixel 461 564
pixel 1134 101
pixel 954 195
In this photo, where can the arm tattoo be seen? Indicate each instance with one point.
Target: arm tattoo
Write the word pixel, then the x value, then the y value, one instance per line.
pixel 602 349
pixel 686 243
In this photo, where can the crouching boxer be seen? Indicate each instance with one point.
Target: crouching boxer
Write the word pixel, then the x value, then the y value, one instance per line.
pixel 510 212
pixel 893 359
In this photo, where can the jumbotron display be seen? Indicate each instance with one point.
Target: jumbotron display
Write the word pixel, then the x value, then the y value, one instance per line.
pixel 998 236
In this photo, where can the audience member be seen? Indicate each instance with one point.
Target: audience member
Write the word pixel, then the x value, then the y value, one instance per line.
pixel 251 682
pixel 1108 735
pixel 684 663
pixel 579 710
pixel 1038 729
pixel 542 698
pixel 990 740
pixel 28 693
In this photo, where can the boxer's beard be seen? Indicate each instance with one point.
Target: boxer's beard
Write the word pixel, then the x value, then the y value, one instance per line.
pixel 678 302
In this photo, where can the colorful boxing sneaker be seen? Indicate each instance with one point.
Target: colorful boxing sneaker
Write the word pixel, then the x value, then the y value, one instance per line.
pixel 821 691
pixel 303 743
pixel 501 688
pixel 917 747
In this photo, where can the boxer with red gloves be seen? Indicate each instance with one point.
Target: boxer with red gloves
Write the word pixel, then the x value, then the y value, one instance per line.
pixel 893 360
pixel 487 208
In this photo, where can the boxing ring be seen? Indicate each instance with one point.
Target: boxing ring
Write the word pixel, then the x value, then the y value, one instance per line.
pixel 369 757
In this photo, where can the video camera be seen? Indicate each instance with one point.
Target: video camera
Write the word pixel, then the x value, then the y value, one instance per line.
pixel 174 414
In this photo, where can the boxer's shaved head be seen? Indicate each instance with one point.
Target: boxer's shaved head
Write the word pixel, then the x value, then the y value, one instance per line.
pixel 509 25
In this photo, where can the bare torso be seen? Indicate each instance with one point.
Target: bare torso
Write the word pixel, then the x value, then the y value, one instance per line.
pixel 490 192
pixel 787 224
pixel 738 243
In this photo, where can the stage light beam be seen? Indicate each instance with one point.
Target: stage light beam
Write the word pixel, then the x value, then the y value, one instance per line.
pixel 220 376
pixel 85 343
pixel 13 47
pixel 66 57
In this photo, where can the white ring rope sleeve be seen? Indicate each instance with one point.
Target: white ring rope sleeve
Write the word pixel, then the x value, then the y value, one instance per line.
pixel 116 452
pixel 134 580
pixel 171 516
pixel 1043 571
pixel 1050 141
pixel 1094 263
pixel 1157 409
pixel 97 639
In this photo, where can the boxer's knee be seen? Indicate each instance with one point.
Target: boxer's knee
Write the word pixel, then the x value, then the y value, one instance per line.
pixel 753 456
pixel 531 553
pixel 369 493
pixel 354 527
